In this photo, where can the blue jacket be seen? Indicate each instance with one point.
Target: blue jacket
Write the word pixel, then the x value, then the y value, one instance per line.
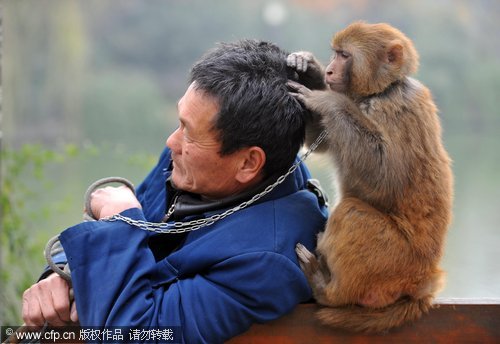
pixel 221 279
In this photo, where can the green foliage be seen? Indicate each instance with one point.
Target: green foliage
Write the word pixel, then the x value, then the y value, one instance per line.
pixel 107 74
pixel 39 197
pixel 25 182
pixel 17 238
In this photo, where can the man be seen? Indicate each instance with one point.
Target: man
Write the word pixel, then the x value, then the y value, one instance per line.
pixel 239 130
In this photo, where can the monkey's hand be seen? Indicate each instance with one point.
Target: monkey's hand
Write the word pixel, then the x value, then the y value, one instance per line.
pixel 300 60
pixel 312 99
pixel 317 275
pixel 319 100
pixel 310 71
pixel 299 91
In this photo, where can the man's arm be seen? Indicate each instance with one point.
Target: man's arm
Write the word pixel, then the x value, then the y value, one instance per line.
pixel 117 282
pixel 234 294
pixel 48 299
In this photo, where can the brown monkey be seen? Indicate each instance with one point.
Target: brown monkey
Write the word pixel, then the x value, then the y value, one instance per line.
pixel 377 264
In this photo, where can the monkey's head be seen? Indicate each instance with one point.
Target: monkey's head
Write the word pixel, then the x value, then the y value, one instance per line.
pixel 367 58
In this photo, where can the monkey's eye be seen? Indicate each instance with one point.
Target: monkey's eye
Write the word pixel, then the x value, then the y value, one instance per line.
pixel 343 54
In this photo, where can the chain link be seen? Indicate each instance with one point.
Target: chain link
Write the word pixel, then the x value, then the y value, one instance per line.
pixel 193 225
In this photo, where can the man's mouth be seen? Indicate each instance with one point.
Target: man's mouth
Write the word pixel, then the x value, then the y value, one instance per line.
pixel 175 165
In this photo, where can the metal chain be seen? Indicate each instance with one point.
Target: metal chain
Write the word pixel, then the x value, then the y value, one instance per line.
pixel 193 225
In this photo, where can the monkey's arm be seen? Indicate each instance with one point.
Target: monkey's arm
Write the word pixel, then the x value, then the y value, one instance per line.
pixel 310 71
pixel 314 127
pixel 356 141
pixel 311 75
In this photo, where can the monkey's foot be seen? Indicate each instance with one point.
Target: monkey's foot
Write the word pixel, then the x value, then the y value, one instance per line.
pixel 317 274
pixel 309 264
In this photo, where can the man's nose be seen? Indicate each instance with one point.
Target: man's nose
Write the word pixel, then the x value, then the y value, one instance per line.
pixel 173 141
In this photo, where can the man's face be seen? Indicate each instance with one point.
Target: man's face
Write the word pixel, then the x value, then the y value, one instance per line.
pixel 195 146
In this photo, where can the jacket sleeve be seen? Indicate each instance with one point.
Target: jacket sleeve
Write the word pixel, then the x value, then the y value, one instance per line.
pixel 60 259
pixel 115 281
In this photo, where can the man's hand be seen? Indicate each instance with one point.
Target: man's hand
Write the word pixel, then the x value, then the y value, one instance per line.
pixel 48 300
pixel 110 201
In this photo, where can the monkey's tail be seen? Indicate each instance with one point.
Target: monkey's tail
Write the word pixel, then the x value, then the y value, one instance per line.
pixel 373 320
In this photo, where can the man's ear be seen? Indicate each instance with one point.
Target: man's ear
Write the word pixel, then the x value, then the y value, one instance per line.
pixel 252 164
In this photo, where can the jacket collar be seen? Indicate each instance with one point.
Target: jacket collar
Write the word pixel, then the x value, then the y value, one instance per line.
pixel 189 204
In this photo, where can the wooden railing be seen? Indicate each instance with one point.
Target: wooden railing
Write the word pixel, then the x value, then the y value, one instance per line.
pixel 453 321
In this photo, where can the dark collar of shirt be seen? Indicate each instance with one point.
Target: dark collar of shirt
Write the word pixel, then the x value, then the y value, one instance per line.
pixel 190 204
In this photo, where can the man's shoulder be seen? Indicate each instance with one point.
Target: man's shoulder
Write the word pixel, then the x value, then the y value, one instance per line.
pixel 277 225
pixel 294 208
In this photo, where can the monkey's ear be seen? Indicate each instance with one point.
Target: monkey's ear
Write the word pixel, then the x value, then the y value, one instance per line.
pixel 395 54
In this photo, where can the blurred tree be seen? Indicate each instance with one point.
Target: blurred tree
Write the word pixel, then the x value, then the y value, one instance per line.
pixel 107 75
pixel 43 76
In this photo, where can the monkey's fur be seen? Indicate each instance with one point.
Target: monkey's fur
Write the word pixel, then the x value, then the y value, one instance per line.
pixel 378 257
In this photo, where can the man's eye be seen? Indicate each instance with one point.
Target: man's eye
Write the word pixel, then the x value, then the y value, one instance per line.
pixel 186 136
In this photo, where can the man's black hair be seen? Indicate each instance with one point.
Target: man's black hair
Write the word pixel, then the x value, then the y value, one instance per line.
pixel 248 79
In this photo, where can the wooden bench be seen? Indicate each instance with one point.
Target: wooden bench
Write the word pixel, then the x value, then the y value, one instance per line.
pixel 454 321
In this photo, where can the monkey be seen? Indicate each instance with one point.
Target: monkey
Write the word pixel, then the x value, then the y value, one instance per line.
pixel 376 264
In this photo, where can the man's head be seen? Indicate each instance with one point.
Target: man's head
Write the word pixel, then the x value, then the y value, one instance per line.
pixel 248 78
pixel 249 127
